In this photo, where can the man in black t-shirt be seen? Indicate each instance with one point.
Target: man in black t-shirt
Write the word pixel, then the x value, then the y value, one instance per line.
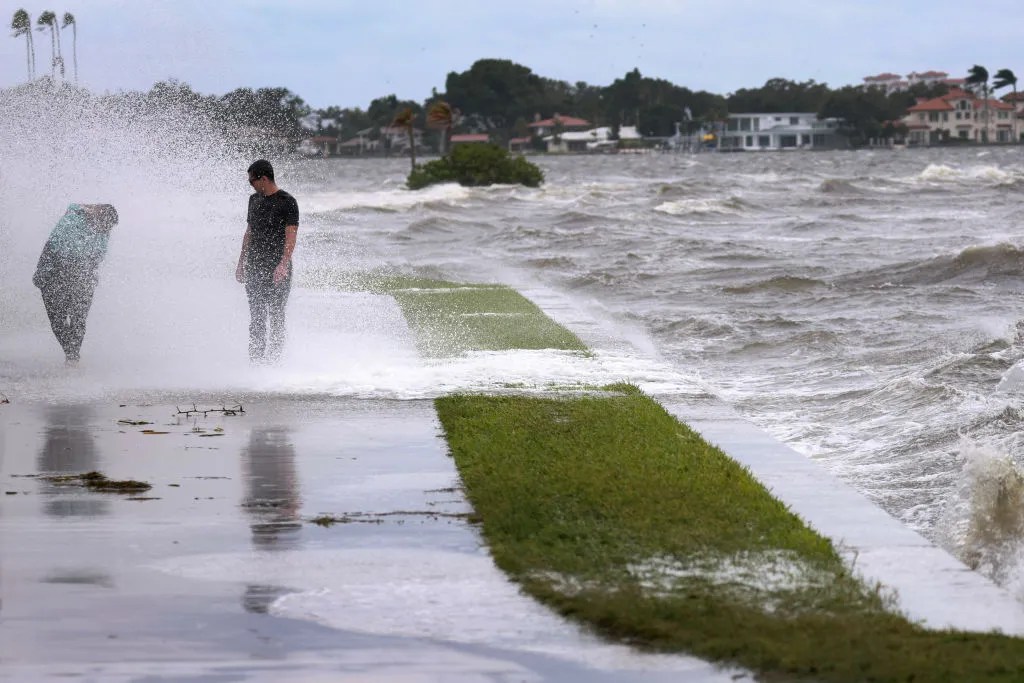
pixel 265 264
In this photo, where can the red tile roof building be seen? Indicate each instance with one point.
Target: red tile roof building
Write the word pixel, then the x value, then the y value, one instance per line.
pixel 463 138
pixel 963 115
pixel 891 82
pixel 544 127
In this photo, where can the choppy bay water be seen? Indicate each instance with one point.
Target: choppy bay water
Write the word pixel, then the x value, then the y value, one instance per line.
pixel 862 307
pixel 865 308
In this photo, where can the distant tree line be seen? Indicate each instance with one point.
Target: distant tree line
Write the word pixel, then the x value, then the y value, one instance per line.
pixel 501 98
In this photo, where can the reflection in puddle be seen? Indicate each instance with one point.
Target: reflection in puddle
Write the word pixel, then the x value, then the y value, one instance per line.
pixel 70 447
pixel 272 502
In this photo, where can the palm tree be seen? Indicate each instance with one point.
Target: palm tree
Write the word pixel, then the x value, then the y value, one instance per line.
pixel 443 116
pixel 1003 78
pixel 978 75
pixel 49 20
pixel 69 20
pixel 405 120
pixel 21 24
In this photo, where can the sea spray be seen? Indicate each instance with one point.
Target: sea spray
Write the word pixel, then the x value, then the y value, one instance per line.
pixel 984 522
pixel 180 190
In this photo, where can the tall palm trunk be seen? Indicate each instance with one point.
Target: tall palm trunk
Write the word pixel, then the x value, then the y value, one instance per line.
pixel 1016 118
pixel 985 137
pixel 69 20
pixel 74 48
pixel 53 54
pixel 28 54
pixel 406 120
pixel 49 20
pixel 1005 77
pixel 60 57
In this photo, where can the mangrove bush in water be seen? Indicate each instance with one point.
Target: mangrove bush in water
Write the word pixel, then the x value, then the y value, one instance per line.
pixel 474 165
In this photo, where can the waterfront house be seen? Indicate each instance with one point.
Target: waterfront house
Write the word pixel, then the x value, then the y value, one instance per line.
pixel 557 124
pixel 1016 100
pixel 782 131
pixel 389 140
pixel 320 146
pixel 519 145
pixel 962 115
pixel 469 139
pixel 594 140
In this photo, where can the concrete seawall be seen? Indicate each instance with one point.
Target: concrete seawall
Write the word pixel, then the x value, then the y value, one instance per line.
pixel 930 586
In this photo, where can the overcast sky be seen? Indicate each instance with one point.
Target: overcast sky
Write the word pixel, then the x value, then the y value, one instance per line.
pixel 339 52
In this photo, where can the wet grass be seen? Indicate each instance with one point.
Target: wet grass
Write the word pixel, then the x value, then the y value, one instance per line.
pixel 615 514
pixel 480 318
pixel 451 318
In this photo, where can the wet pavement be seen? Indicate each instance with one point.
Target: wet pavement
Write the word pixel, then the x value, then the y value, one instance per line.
pixel 218 572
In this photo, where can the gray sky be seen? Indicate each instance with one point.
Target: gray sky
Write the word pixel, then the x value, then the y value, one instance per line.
pixel 347 53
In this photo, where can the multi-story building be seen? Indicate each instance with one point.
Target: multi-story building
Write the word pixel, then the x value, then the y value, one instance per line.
pixel 963 115
pixel 780 131
pixel 928 78
pixel 890 82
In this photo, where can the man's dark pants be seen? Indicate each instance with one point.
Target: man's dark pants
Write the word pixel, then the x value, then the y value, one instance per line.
pixel 267 302
pixel 67 305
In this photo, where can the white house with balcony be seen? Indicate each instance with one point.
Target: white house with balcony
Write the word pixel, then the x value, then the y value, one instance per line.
pixel 594 140
pixel 783 131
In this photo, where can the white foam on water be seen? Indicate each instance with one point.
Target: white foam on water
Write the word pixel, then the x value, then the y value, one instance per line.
pixel 392 200
pixel 1012 380
pixel 985 174
pixel 684 207
pixel 939 173
pixel 992 174
pixel 435 594
pixel 984 519
pixel 760 572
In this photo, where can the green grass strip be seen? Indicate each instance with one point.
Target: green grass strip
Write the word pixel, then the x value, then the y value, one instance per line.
pixel 617 515
pixel 614 513
pixel 450 319
pixel 486 318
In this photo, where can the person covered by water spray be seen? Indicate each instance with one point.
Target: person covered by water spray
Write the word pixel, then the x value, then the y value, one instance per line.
pixel 265 264
pixel 67 271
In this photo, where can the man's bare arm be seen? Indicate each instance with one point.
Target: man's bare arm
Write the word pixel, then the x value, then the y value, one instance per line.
pixel 291 233
pixel 240 269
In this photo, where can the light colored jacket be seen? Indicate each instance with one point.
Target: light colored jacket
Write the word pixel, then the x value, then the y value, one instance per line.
pixel 72 253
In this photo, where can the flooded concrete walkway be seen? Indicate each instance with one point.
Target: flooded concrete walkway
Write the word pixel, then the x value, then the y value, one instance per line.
pixel 218 573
